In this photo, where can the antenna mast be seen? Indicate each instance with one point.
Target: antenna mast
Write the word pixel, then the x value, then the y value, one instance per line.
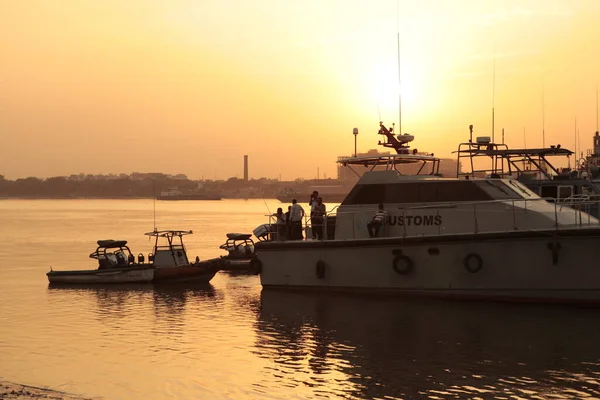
pixel 543 119
pixel 494 96
pixel 399 77
pixel 575 132
pixel 579 143
pixel 525 146
pixel 154 200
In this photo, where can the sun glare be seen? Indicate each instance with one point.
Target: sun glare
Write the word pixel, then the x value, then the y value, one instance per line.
pixel 387 92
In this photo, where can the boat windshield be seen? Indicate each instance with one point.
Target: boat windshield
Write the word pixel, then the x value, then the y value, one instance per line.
pixel 520 188
pixel 434 191
pixel 497 189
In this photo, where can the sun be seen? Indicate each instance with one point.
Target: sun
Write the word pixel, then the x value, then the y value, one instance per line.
pixel 390 93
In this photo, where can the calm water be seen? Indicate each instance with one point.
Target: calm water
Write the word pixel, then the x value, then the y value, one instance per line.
pixel 227 340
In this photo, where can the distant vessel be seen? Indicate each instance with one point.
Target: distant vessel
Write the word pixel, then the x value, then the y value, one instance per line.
pixel 573 187
pixel 176 194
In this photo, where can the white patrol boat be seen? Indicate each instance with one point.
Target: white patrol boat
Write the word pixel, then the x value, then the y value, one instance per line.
pixel 467 238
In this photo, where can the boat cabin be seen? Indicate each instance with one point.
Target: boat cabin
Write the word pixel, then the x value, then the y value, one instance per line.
pixel 169 249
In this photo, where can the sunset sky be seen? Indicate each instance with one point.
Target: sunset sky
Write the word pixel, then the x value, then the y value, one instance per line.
pixel 190 86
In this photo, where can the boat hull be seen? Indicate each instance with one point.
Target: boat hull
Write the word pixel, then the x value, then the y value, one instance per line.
pixel 200 272
pixel 143 274
pixel 236 264
pixel 543 266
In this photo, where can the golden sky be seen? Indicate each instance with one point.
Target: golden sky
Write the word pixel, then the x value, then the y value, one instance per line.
pixel 190 86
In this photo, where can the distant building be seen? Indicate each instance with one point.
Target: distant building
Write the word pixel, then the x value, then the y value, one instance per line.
pixel 156 175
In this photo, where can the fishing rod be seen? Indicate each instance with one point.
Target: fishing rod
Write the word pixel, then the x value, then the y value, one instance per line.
pixel 266 205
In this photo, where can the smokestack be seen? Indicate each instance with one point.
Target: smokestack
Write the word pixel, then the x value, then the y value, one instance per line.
pixel 246 168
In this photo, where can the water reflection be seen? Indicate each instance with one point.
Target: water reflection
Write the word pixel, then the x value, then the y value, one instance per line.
pixel 394 348
pixel 171 299
pixel 115 304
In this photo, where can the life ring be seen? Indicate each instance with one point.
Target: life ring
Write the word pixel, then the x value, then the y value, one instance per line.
pixel 407 263
pixel 320 269
pixel 478 262
pixel 255 266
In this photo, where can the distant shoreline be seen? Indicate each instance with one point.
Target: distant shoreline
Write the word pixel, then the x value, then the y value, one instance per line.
pixel 120 198
pixel 70 198
pixel 10 390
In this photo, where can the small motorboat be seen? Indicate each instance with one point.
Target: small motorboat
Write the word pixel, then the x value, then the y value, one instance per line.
pixel 171 262
pixel 167 263
pixel 116 264
pixel 240 252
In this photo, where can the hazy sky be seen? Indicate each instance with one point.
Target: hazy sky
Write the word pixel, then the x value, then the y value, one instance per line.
pixel 190 86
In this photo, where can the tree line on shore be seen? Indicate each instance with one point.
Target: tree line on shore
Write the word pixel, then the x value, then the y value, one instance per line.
pixel 148 186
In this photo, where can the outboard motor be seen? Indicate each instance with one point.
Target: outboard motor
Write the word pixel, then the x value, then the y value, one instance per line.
pixel 130 258
pixel 150 257
pixel 140 258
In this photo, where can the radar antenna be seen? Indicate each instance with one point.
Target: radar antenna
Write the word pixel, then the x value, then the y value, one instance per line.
pixel 398 143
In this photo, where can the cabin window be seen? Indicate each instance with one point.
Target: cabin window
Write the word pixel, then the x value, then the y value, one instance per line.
pixel 420 192
pixel 366 194
pixel 427 192
pixel 520 188
pixel 434 192
pixel 565 192
pixel 402 193
pixel 497 190
pixel 460 191
pixel 549 191
pixel 587 190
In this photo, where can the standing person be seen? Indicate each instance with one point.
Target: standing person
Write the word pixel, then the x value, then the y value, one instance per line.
pixel 313 204
pixel 377 221
pixel 296 216
pixel 313 198
pixel 281 224
pixel 318 218
pixel 288 224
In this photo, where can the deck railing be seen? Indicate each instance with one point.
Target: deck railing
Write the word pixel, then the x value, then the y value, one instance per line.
pixel 577 212
pixel 580 217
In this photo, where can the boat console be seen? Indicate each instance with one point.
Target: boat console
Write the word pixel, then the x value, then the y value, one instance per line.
pixel 238 245
pixel 113 254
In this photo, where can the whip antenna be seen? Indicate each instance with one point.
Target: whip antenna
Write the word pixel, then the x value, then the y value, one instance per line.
pixel 494 97
pixel 399 76
pixel 154 200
